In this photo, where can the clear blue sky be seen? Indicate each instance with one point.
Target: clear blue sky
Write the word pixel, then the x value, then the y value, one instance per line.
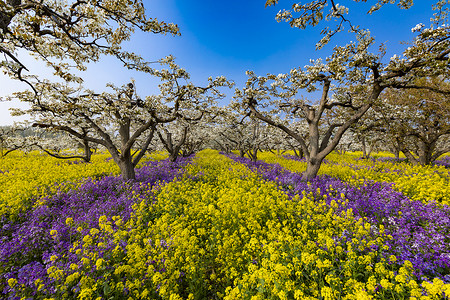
pixel 229 37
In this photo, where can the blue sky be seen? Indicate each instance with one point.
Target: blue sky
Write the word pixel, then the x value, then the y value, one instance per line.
pixel 229 37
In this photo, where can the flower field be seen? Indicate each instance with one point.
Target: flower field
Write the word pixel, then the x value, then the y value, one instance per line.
pixel 217 226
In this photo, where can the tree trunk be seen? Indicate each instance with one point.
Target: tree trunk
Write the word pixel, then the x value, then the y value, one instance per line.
pixel 87 151
pixel 426 153
pixel 173 157
pixel 395 150
pixel 253 154
pixel 364 150
pixel 127 168
pixel 370 150
pixel 397 154
pixel 312 168
pixel 174 151
pixel 410 157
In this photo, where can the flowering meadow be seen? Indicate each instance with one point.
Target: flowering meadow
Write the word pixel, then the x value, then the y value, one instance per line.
pixel 424 183
pixel 217 226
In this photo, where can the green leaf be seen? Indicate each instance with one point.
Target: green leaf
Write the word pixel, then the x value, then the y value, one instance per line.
pixel 106 288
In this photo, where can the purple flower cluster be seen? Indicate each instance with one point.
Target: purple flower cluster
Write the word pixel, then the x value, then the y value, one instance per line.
pixel 445 161
pixel 26 245
pixel 421 232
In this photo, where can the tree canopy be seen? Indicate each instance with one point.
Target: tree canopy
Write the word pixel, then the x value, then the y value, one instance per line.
pixel 70 34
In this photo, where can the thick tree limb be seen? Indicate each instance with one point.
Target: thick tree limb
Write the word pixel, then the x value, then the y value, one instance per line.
pixel 144 147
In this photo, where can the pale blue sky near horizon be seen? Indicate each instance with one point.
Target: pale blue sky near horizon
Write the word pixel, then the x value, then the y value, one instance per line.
pixel 230 37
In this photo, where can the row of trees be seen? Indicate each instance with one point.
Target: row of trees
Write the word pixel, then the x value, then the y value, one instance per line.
pixel 419 128
pixel 402 101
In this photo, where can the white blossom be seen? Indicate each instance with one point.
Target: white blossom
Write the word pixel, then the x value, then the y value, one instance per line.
pixel 418 27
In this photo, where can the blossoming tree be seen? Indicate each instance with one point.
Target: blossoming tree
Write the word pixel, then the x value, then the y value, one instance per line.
pixel 418 120
pixel 117 119
pixel 353 65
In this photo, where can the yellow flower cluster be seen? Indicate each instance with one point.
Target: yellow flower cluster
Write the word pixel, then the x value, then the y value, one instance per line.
pixel 27 176
pixel 424 183
pixel 34 176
